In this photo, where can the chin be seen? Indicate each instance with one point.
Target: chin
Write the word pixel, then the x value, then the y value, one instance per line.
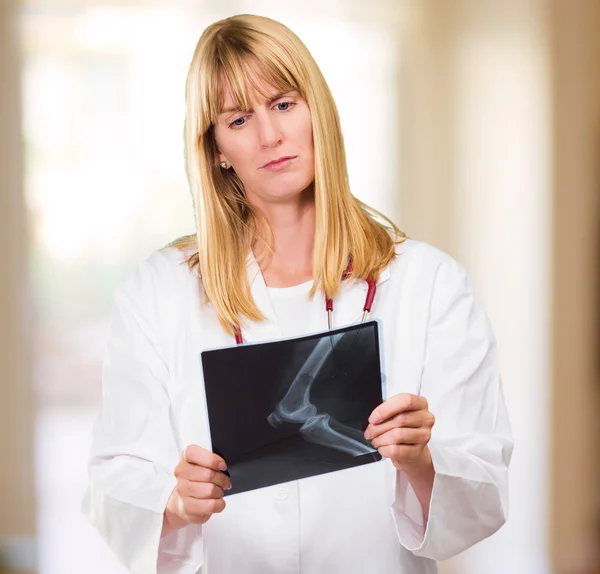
pixel 289 189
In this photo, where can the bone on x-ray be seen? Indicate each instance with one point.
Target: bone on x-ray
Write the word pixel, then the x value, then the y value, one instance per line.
pixel 321 429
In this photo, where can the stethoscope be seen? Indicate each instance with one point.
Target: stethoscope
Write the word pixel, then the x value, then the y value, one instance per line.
pixel 370 297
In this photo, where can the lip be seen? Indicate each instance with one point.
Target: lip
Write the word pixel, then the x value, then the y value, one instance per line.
pixel 280 163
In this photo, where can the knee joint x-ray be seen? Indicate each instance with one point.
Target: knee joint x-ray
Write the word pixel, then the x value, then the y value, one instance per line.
pixel 318 428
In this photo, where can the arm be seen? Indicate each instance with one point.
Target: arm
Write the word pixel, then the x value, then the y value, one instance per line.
pixel 133 447
pixel 471 443
pixel 421 477
pixel 400 429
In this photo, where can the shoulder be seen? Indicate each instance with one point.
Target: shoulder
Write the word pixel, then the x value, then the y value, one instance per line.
pixel 441 280
pixel 430 273
pixel 156 292
pixel 423 257
pixel 163 273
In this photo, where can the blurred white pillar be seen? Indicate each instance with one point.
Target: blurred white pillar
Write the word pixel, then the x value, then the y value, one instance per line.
pixel 501 215
pixel 425 160
pixel 17 491
pixel 477 184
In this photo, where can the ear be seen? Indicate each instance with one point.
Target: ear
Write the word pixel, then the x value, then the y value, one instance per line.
pixel 223 161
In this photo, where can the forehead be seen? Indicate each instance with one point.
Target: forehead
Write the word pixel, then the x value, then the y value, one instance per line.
pixel 255 84
pixel 251 92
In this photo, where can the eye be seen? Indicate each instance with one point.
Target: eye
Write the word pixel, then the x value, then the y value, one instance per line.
pixel 238 123
pixel 284 106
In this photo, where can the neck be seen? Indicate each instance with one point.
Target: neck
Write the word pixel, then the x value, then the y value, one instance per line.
pixel 293 230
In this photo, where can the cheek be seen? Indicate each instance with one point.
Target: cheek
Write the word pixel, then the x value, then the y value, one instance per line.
pixel 309 139
pixel 231 145
pixel 308 131
pixel 301 129
pixel 238 154
pixel 310 144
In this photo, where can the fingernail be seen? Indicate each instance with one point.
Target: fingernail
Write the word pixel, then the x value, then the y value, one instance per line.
pixel 228 487
pixel 375 418
pixel 222 466
pixel 368 435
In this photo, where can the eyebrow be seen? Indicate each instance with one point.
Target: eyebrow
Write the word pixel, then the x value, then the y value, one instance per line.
pixel 276 97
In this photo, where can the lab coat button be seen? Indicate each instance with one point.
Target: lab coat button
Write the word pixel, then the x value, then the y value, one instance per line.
pixel 282 493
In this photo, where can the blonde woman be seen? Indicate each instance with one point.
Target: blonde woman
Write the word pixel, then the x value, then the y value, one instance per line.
pixel 277 228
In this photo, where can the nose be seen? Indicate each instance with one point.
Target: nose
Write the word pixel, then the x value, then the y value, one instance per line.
pixel 269 132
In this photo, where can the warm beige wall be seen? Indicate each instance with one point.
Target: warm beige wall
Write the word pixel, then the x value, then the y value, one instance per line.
pixel 17 517
pixel 575 501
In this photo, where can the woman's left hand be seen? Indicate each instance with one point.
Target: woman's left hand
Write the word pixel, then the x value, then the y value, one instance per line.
pixel 400 429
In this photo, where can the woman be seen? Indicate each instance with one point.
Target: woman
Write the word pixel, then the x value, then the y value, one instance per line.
pixel 277 228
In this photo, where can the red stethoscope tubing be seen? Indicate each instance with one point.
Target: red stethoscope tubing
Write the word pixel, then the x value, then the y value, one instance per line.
pixel 371 291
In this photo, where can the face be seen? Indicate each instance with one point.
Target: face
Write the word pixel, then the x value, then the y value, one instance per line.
pixel 270 147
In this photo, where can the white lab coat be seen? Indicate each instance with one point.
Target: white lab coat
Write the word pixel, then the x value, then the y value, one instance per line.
pixel 437 342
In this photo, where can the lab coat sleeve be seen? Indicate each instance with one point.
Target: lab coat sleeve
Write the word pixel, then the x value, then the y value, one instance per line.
pixel 134 451
pixel 471 443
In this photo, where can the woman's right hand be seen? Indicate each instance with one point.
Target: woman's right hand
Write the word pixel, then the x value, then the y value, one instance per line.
pixel 199 490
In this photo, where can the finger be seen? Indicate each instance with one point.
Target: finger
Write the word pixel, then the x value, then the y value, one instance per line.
pixel 195 473
pixel 200 490
pixel 396 405
pixel 401 452
pixel 195 454
pixel 200 510
pixel 411 419
pixel 402 436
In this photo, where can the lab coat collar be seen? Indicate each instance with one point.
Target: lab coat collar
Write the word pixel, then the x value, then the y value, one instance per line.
pixel 347 306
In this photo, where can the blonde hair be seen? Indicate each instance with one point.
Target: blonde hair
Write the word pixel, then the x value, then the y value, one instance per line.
pixel 346 228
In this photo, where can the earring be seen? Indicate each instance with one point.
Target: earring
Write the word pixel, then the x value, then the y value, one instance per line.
pixel 223 165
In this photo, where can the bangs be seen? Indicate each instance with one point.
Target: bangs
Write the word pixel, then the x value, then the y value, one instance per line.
pixel 234 68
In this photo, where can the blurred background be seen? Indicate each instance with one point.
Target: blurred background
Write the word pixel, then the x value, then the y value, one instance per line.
pixel 474 124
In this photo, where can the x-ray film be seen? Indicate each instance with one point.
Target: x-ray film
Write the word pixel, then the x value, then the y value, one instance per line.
pixel 294 408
